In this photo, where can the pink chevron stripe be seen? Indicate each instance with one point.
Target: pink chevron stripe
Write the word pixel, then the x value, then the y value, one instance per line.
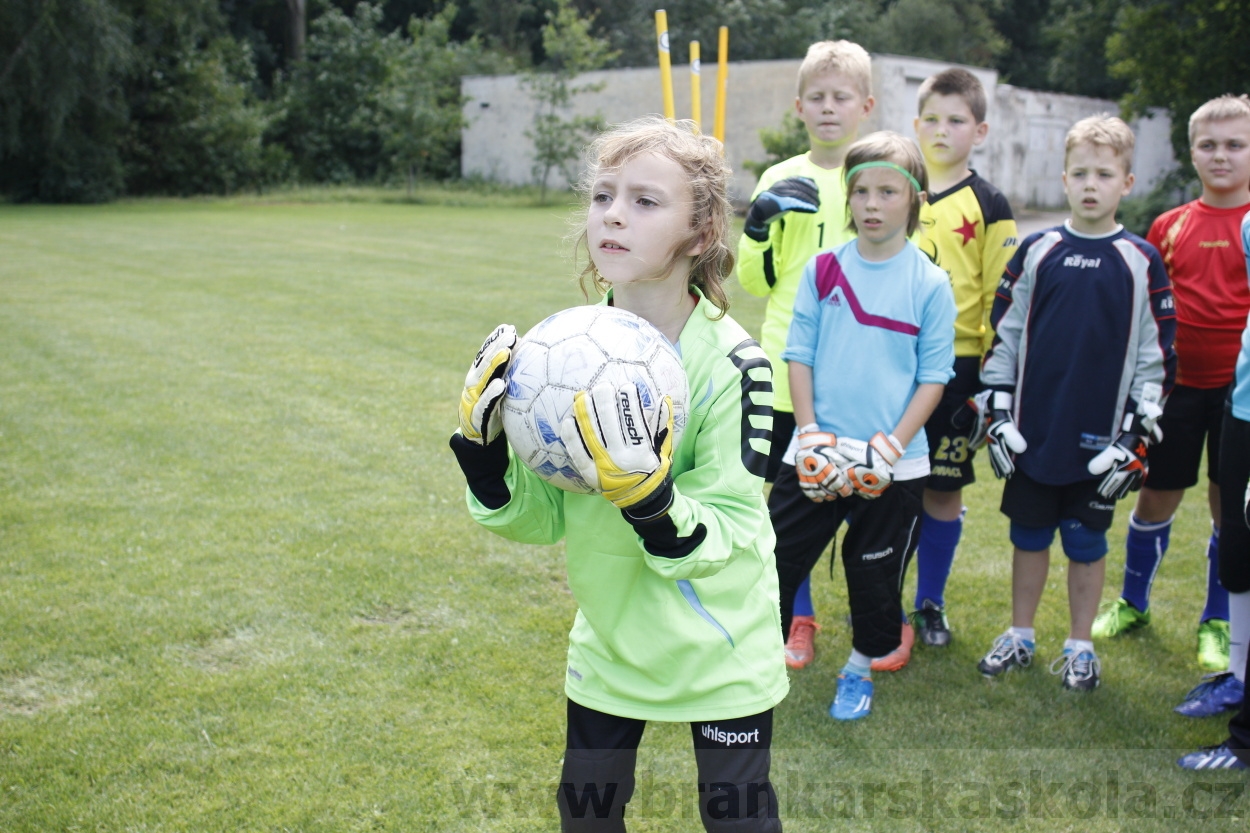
pixel 829 276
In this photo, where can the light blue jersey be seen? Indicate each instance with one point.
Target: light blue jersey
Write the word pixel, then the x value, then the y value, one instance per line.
pixel 1241 381
pixel 872 332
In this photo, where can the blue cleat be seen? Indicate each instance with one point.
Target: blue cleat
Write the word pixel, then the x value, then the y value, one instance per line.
pixel 1216 693
pixel 1212 757
pixel 854 697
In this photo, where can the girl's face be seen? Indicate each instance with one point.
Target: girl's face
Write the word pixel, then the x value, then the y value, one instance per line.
pixel 881 201
pixel 639 216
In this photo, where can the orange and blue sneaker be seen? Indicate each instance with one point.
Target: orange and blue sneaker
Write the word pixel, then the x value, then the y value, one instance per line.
pixel 899 657
pixel 800 647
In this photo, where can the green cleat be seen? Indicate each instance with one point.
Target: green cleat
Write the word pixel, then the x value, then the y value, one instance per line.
pixel 1119 617
pixel 1213 645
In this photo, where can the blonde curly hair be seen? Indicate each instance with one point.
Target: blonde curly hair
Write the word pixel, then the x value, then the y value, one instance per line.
pixel 700 158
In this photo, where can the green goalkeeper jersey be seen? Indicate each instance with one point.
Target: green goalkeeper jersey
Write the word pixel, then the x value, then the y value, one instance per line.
pixel 695 637
pixel 774 268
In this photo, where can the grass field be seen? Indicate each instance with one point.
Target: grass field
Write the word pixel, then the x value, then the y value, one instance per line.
pixel 239 589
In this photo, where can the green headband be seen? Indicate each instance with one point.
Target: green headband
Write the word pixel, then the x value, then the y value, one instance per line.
pixel 884 164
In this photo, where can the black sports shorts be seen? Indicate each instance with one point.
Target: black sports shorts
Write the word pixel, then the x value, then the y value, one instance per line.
pixel 1190 417
pixel 950 458
pixel 1041 506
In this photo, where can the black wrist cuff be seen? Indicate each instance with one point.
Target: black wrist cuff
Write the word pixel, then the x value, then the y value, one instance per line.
pixel 656 504
pixel 484 467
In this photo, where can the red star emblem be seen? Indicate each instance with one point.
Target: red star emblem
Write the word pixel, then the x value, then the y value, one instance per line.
pixel 968 230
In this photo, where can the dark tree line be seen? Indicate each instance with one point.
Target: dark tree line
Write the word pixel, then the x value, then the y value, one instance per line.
pixel 100 98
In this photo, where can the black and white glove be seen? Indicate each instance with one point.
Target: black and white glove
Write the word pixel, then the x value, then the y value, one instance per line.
pixel 973 419
pixel 869 466
pixel 619 452
pixel 796 193
pixel 1002 438
pixel 819 465
pixel 481 421
pixel 1123 463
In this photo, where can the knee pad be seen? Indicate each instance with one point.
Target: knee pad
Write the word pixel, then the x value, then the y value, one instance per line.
pixel 1032 538
pixel 1080 543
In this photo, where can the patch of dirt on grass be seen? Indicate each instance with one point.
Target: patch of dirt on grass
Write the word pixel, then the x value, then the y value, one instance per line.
pixel 31 693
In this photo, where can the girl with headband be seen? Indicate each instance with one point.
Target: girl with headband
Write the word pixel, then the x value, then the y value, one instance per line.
pixel 868 354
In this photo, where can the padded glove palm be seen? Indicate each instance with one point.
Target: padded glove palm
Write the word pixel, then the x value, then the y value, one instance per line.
pixel 796 193
pixel 819 466
pixel 869 466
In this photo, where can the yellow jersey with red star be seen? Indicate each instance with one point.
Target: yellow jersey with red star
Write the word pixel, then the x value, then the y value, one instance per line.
pixel 974 233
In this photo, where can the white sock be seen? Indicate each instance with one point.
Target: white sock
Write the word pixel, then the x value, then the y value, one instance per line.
pixel 1239 633
pixel 1078 645
pixel 1022 633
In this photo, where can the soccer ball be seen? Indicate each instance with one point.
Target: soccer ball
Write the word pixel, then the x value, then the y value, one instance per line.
pixel 575 350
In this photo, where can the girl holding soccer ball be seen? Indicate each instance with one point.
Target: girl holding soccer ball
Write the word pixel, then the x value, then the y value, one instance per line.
pixel 671 558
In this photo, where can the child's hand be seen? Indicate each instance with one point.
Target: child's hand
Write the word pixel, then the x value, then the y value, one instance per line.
pixel 1124 461
pixel 1004 438
pixel 819 466
pixel 870 465
pixel 796 193
pixel 481 422
pixel 617 452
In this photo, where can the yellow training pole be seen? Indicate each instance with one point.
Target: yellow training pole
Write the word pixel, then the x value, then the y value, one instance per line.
pixel 722 79
pixel 666 66
pixel 696 105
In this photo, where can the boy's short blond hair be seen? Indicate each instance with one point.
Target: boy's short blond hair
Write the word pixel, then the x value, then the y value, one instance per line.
pixel 887 146
pixel 703 164
pixel 843 56
pixel 955 81
pixel 1219 109
pixel 1102 131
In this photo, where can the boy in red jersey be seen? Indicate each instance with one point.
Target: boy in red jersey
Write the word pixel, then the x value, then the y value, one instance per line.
pixel 1201 247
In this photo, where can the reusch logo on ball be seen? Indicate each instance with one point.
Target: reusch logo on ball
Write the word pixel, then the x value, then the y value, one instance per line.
pixel 627 418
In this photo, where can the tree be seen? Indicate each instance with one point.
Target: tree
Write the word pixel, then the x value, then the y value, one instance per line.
pixel 1026 59
pixel 944 30
pixel 1177 54
pixel 62 111
pixel 196 125
pixel 331 106
pixel 422 99
pixel 570 50
pixel 1077 33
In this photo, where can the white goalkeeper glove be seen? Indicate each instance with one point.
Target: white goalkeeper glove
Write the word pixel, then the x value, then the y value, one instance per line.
pixel 481 421
pixel 1003 438
pixel 869 466
pixel 818 465
pixel 1123 463
pixel 617 451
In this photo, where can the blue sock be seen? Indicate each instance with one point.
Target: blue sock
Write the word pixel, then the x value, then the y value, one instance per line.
pixel 1217 596
pixel 1144 548
pixel 803 599
pixel 934 557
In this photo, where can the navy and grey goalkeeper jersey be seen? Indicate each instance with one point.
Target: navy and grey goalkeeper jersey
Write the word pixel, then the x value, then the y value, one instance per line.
pixel 1081 323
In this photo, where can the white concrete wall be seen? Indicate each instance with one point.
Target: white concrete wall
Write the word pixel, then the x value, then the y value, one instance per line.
pixel 1023 154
